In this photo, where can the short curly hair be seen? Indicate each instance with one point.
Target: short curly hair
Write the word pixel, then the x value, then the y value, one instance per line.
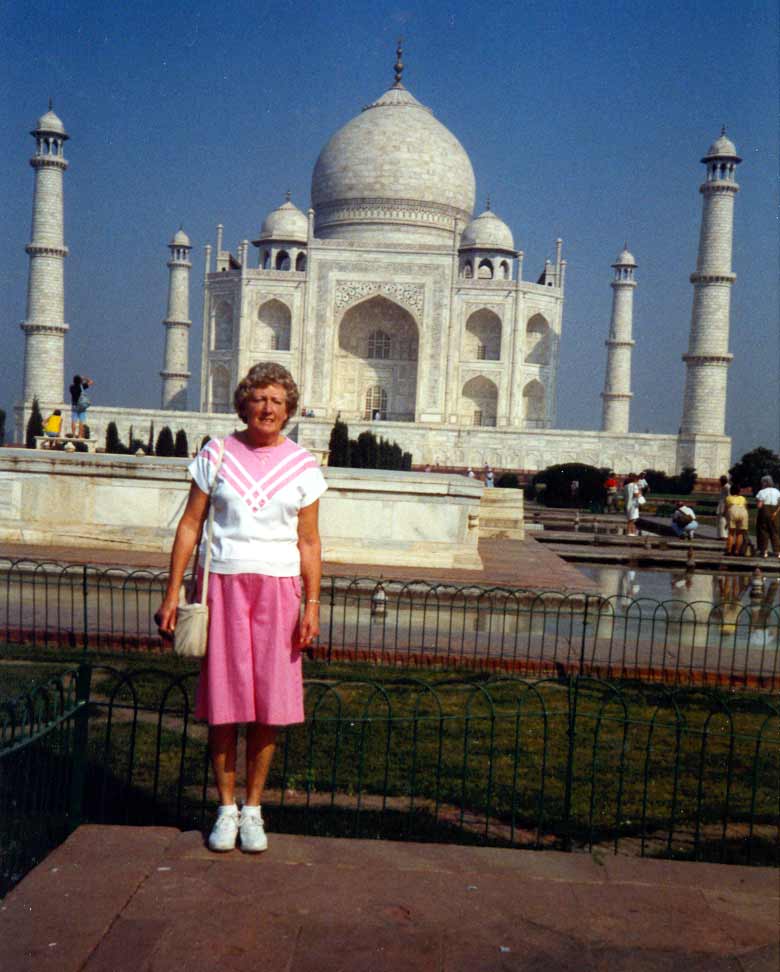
pixel 261 375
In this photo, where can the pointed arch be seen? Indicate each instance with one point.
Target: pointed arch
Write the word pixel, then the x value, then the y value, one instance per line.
pixel 538 340
pixel 377 346
pixel 485 270
pixel 479 401
pixel 300 262
pixel 223 326
pixel 282 260
pixel 272 329
pixel 534 406
pixel 375 403
pixel 482 336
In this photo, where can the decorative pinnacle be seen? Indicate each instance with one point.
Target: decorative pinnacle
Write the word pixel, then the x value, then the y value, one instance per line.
pixel 287 196
pixel 487 202
pixel 399 64
pixel 722 129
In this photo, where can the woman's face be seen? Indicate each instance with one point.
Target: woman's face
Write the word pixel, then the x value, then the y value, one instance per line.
pixel 265 412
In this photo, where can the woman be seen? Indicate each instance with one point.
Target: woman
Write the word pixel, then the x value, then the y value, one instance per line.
pixel 768 502
pixel 720 511
pixel 736 522
pixel 265 539
pixel 79 403
pixel 631 493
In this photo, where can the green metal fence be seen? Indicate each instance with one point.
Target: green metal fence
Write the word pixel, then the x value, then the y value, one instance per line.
pixel 571 763
pixel 733 643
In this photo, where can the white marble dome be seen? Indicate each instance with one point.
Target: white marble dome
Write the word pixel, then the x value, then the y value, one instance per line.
pixel 285 223
pixel 180 238
pixel 487 232
pixel 50 123
pixel 722 147
pixel 392 173
pixel 625 259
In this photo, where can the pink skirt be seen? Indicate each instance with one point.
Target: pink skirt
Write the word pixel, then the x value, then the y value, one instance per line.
pixel 252 671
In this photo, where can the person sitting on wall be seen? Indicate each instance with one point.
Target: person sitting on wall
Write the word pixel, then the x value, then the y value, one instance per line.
pixel 684 521
pixel 52 427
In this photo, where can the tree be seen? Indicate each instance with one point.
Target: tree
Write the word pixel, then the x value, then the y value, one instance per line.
pixel 367 451
pixel 150 440
pixel 508 481
pixel 34 425
pixel 558 480
pixel 181 446
pixel 113 444
pixel 753 465
pixel 338 446
pixel 165 444
pixel 660 482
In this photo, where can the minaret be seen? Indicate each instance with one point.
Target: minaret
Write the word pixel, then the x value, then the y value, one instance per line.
pixel 617 381
pixel 44 325
pixel 708 358
pixel 177 325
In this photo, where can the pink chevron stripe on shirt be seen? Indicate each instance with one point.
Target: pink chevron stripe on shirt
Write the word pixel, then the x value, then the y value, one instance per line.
pixel 252 479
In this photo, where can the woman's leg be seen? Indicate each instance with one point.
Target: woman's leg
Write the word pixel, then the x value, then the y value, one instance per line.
pixel 260 746
pixel 222 747
pixel 730 542
pixel 739 543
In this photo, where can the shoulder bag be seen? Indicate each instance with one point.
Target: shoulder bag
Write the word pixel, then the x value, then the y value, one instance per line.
pixel 191 634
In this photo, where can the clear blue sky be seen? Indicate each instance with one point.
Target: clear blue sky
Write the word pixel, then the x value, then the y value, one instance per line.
pixel 582 120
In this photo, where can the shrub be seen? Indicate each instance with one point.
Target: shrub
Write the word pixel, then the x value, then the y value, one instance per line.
pixel 165 444
pixel 181 447
pixel 338 446
pixel 755 464
pixel 2 426
pixel 660 482
pixel 150 440
pixel 34 425
pixel 558 480
pixel 509 481
pixel 113 444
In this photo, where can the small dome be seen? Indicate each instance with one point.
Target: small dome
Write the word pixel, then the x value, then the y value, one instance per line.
pixel 180 238
pixel 722 148
pixel 625 259
pixel 488 232
pixel 50 123
pixel 285 223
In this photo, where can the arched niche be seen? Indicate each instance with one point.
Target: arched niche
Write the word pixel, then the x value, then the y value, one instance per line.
pixel 534 410
pixel 538 340
pixel 223 326
pixel 375 405
pixel 482 336
pixel 504 270
pixel 221 392
pixel 485 270
pixel 300 262
pixel 377 345
pixel 468 270
pixel 479 401
pixel 271 331
pixel 282 260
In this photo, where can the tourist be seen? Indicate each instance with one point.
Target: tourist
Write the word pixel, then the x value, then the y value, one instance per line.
pixel 736 522
pixel 720 512
pixel 470 473
pixel 684 520
pixel 79 403
pixel 631 497
pixel 52 427
pixel 265 540
pixel 610 488
pixel 490 481
pixel 642 483
pixel 768 502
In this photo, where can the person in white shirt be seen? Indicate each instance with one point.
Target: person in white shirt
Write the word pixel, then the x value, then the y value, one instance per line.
pixel 631 493
pixel 684 521
pixel 264 489
pixel 768 502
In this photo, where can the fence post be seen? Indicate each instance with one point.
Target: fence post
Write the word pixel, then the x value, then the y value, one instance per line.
pixel 80 742
pixel 330 617
pixel 84 606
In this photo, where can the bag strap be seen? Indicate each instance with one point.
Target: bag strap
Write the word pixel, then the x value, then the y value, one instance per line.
pixel 210 528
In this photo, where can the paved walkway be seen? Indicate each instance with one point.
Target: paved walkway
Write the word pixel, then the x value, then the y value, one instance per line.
pixel 127 899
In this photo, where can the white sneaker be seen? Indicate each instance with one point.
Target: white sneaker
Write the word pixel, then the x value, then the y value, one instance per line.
pixel 225 830
pixel 250 827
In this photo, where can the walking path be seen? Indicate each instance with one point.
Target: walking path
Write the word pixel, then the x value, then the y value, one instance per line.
pixel 132 899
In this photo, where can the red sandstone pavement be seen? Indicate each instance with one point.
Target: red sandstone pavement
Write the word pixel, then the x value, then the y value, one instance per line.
pixel 116 899
pixel 509 563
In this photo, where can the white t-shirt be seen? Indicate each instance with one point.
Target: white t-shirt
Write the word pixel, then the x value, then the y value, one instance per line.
pixel 256 502
pixel 769 495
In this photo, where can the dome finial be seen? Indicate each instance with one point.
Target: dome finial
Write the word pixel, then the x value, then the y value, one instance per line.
pixel 287 196
pixel 51 105
pixel 487 202
pixel 722 129
pixel 399 64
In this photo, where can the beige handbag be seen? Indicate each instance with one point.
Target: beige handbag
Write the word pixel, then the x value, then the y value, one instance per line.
pixel 191 634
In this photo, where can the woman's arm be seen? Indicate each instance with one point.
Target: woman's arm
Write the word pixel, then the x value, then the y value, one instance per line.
pixel 187 535
pixel 311 571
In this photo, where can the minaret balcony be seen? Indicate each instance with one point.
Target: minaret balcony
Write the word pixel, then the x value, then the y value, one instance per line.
pixel 713 278
pixel 48 162
pixel 35 249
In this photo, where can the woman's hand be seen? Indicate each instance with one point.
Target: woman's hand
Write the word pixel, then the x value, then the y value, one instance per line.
pixel 310 625
pixel 165 618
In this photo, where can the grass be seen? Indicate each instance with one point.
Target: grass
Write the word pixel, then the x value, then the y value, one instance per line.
pixel 440 755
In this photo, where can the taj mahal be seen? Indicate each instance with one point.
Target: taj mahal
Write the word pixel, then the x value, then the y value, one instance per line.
pixel 396 307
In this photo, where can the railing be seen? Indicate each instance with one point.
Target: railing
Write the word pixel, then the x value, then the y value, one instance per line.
pixel 567 764
pixel 677 642
pixel 43 736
